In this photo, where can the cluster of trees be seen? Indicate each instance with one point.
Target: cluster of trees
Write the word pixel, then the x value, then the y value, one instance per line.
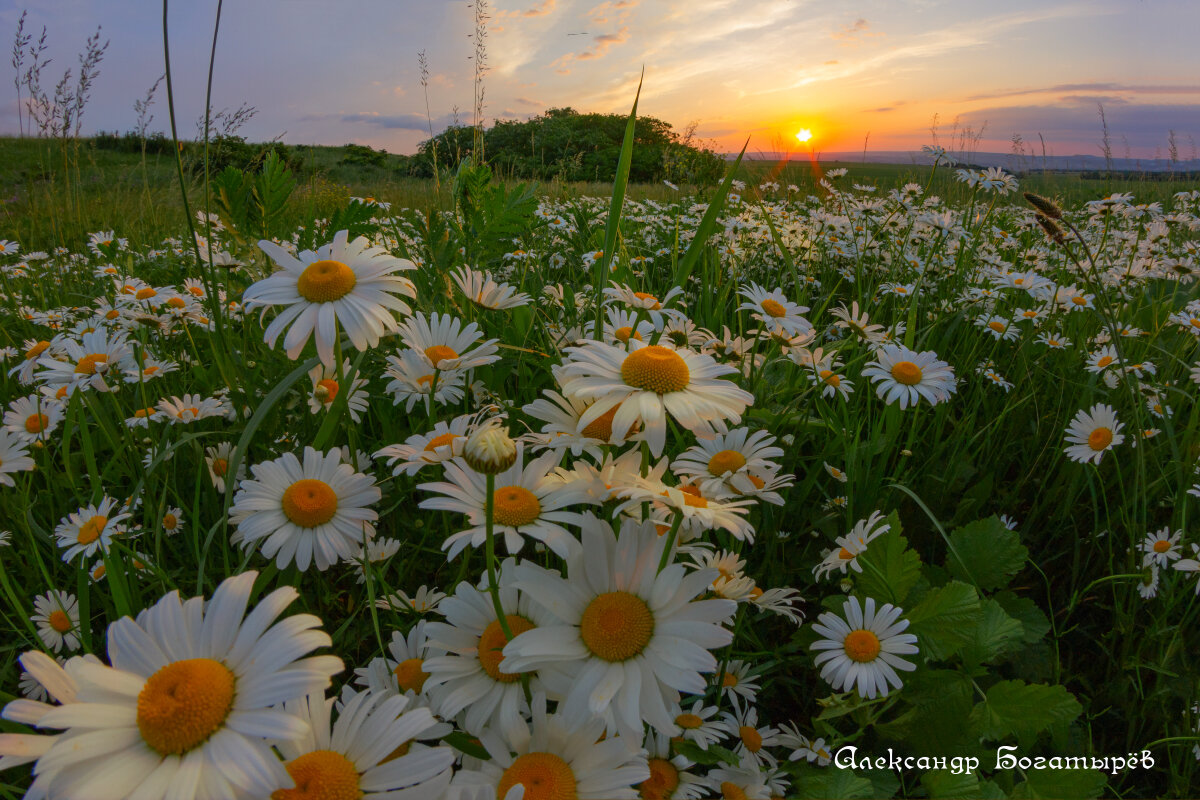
pixel 567 145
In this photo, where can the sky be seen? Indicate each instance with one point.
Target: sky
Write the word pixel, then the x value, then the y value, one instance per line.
pixel 859 74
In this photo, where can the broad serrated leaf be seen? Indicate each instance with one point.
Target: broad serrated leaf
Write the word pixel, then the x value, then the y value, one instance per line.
pixel 1061 784
pixel 985 553
pixel 1015 708
pixel 889 569
pixel 1025 611
pixel 945 619
pixel 997 633
pixel 944 783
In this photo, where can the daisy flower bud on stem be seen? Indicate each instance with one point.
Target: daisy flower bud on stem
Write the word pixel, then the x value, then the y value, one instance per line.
pixel 490 450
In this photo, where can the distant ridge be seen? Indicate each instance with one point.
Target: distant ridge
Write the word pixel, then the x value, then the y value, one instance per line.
pixel 1008 161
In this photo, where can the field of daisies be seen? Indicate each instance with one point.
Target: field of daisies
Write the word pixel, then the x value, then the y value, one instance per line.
pixel 860 493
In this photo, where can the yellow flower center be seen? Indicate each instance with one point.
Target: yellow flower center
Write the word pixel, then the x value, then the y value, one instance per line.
pixel 90 530
pixel 616 626
pixel 219 467
pixel 906 372
pixel 692 497
pixel 170 522
pixel 624 332
pixel 545 776
pixel 861 645
pixel 515 506
pixel 1100 438
pixel 656 369
pixel 997 326
pixel 491 646
pixel 1162 546
pixel 751 738
pixel 59 620
pixel 326 281
pixel 176 302
pixel 1104 361
pixel 830 377
pixel 601 427
pixel 36 423
pixel 87 364
pixel 662 783
pixel 439 353
pixel 145 294
pixel 183 704
pixel 726 461
pixel 731 791
pixel 1079 301
pixel 440 441
pixel 330 388
pixel 411 675
pixel 688 722
pixel 36 350
pixel 654 305
pixel 729 681
pixel 774 308
pixel 425 380
pixel 309 502
pixel 845 555
pixel 321 775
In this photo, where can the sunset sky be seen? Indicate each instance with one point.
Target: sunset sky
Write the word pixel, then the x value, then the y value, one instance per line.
pixel 320 71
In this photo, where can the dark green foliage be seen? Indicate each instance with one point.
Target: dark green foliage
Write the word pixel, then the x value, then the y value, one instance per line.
pixel 253 204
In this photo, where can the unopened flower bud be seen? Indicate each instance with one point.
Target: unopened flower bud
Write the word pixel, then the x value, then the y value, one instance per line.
pixel 490 450
pixel 1044 205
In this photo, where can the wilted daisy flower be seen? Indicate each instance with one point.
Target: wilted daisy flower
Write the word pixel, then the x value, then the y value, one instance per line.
pixel 32 418
pixel 465 681
pixel 189 707
pixel 525 503
pixel 774 310
pixel 1162 547
pixel 315 511
pixel 908 376
pixel 640 634
pixel 864 648
pixel 1092 433
pixel 648 382
pixel 365 753
pixel 484 292
pixel 554 758
pixel 325 389
pixel 445 343
pixel 56 615
pixel 14 457
pixel 343 284
pixel 91 528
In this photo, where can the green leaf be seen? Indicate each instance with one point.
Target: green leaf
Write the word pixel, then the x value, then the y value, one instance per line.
pixel 996 633
pixel 986 554
pixel 467 744
pixel 711 757
pixel 1061 784
pixel 1026 611
pixel 1015 708
pixel 708 222
pixel 890 568
pixel 944 783
pixel 945 619
pixel 833 783
pixel 620 181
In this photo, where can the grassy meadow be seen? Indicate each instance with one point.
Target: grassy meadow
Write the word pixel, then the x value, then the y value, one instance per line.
pixel 603 490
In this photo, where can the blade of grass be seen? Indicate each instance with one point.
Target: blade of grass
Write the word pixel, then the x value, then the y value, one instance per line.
pixel 708 222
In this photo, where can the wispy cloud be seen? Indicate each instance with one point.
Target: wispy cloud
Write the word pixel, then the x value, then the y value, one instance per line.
pixel 852 33
pixel 1110 88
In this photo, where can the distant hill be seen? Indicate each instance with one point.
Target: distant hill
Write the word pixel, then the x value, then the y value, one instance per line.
pixel 1008 161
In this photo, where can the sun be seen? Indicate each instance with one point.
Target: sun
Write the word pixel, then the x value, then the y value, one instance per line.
pixel 804 135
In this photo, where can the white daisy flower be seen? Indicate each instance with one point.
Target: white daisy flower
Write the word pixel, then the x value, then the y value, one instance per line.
pixel 189 706
pixel 700 724
pixel 554 758
pixel 56 615
pixel 480 289
pixel 669 777
pixel 774 310
pixel 736 783
pixel 864 649
pixel 1092 433
pixel 446 344
pixel 32 418
pixel 1191 565
pixel 908 376
pixel 172 521
pixel 315 511
pixel 414 380
pixel 217 459
pixel 192 408
pixel 526 502
pixel 14 457
pixel 632 638
pixel 737 684
pixel 89 529
pixel 716 461
pixel 366 754
pixel 350 284
pixel 1162 547
pixel 403 671
pixel 86 363
pixel 423 601
pixel 751 737
pixel 325 389
pixel 421 450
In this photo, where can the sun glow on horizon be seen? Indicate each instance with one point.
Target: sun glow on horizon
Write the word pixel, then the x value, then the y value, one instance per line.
pixel 804 135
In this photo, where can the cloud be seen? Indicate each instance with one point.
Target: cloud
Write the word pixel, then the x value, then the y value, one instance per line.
pixel 1144 125
pixel 1111 88
pixel 854 32
pixel 541 9
pixel 603 43
pixel 404 122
